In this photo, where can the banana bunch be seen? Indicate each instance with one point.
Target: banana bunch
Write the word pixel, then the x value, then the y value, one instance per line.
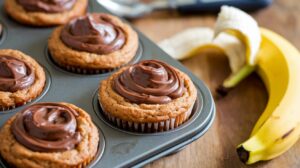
pixel 250 48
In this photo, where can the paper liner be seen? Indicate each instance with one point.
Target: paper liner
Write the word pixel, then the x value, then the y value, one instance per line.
pixel 149 127
pixel 78 70
pixel 6 108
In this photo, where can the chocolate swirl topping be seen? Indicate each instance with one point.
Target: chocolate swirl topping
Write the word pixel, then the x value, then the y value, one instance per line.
pixel 48 6
pixel 151 82
pixel 94 33
pixel 47 127
pixel 14 74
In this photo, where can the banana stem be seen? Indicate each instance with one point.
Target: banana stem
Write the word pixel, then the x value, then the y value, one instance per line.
pixel 243 154
pixel 236 78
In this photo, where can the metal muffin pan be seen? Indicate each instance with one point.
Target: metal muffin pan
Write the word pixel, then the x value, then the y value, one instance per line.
pixel 122 148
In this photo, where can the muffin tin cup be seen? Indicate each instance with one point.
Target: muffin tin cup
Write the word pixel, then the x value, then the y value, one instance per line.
pixel 101 146
pixel 154 127
pixel 2 33
pixel 180 146
pixel 157 128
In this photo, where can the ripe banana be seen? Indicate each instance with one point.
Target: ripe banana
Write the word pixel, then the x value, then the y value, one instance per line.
pixel 279 126
pixel 276 61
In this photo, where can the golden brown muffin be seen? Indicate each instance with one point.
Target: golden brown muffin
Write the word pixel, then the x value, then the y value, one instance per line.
pixel 30 13
pixel 21 79
pixel 93 44
pixel 75 137
pixel 149 96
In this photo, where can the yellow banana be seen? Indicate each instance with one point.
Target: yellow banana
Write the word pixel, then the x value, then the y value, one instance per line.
pixel 279 126
pixel 278 64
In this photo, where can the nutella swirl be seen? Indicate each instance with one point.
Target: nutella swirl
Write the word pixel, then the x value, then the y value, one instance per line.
pixel 47 127
pixel 14 74
pixel 150 82
pixel 94 33
pixel 48 6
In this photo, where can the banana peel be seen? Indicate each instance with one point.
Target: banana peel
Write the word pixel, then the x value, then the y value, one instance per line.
pixel 236 34
pixel 242 26
pixel 195 40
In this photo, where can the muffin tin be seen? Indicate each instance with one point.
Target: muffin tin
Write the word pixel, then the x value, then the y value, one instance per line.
pixel 117 148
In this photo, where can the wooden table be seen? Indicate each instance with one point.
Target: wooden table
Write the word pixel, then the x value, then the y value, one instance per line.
pixel 238 112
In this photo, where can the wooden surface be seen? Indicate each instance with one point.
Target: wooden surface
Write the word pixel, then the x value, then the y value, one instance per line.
pixel 238 112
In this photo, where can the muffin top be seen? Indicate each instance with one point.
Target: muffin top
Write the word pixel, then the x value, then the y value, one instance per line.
pixel 93 33
pixel 47 127
pixel 15 74
pixel 47 6
pixel 150 82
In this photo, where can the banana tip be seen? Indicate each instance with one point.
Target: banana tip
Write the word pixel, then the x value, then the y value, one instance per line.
pixel 243 154
pixel 222 91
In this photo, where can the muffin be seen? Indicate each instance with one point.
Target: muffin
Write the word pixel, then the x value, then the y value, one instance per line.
pixel 21 79
pixel 94 43
pixel 150 96
pixel 52 135
pixel 45 12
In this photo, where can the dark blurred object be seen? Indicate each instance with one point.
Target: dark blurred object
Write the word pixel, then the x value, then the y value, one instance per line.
pixel 137 8
pixel 214 5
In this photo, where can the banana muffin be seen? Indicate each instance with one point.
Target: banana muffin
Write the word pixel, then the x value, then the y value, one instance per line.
pixel 45 12
pixel 150 96
pixel 52 135
pixel 21 79
pixel 94 43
